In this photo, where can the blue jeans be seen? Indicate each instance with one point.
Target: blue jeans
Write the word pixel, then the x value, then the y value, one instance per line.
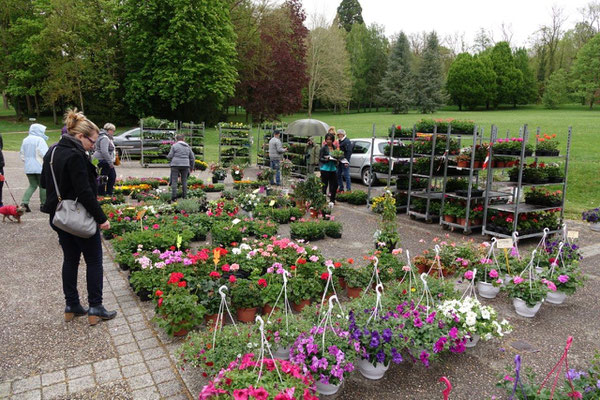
pixel 343 171
pixel 275 167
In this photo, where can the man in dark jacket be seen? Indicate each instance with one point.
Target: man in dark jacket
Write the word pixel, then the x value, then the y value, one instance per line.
pixel 343 169
pixel 182 161
pixel 1 170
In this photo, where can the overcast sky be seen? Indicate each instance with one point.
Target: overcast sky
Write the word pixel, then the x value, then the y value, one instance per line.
pixel 523 17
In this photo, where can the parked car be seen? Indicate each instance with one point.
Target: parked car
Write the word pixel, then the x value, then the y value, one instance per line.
pixel 360 161
pixel 130 140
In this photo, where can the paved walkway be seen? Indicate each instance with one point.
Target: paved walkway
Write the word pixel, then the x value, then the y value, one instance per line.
pixel 41 356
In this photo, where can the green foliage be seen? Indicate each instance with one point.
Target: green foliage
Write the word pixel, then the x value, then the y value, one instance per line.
pixel 397 85
pixel 471 81
pixel 556 90
pixel 307 230
pixel 163 31
pixel 349 12
pixel 429 79
pixel 245 294
pixel 509 79
pixel 529 90
pixel 585 71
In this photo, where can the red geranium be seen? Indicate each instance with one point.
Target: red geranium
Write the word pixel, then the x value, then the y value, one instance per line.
pixel 262 283
pixel 301 261
pixel 351 261
pixel 159 292
pixel 232 278
pixel 214 274
pixel 325 276
pixel 175 277
pixel 182 284
pixel 337 264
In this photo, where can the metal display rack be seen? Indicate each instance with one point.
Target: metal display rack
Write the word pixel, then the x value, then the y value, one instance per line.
pixel 265 133
pixel 150 141
pixel 517 207
pixel 195 134
pixel 234 144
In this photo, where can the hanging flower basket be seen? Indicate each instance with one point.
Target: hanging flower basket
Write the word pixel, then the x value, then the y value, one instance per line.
pixel 556 297
pixel 369 371
pixel 487 290
pixel 524 310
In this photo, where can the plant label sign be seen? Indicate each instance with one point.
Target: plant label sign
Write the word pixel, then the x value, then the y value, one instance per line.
pixel 573 234
pixel 504 243
pixel 271 203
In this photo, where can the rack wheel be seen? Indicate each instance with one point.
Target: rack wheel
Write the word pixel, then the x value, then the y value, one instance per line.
pixel 445 227
pixel 412 216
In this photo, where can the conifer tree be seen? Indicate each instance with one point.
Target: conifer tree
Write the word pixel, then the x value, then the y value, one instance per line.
pixel 397 86
pixel 429 81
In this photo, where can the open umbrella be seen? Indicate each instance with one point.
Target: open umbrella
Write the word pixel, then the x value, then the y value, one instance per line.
pixel 307 127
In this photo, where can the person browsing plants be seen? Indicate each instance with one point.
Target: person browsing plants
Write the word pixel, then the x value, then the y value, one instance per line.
pixel 182 163
pixel 328 167
pixel 68 168
pixel 343 169
pixel 105 154
pixel 276 151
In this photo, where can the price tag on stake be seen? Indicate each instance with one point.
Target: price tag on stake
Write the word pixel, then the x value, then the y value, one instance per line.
pixel 236 221
pixel 573 234
pixel 271 203
pixel 504 243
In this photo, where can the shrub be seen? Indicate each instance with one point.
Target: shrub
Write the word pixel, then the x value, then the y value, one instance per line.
pixel 333 229
pixel 307 230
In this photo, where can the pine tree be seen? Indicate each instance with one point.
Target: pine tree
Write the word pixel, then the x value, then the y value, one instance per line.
pixel 556 90
pixel 349 12
pixel 429 82
pixel 397 85
pixel 508 78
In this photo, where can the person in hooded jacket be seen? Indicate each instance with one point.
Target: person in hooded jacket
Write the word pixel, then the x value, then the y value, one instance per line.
pixel 33 150
pixel 105 154
pixel 182 161
pixel 76 179
pixel 343 168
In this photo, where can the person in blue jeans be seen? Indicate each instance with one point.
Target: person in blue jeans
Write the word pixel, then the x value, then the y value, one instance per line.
pixel 276 151
pixel 328 167
pixel 343 168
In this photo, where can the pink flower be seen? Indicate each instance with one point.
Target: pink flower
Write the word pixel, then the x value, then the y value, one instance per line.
pixel 396 251
pixel 563 278
pixel 240 394
pixel 469 275
pixel 509 378
pixel 493 273
pixel 259 394
pixel 232 278
pixel 517 280
pixel 499 281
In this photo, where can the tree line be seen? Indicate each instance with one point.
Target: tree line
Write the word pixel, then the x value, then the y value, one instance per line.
pixel 190 60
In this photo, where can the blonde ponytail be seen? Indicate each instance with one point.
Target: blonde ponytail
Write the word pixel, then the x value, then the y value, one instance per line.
pixel 77 123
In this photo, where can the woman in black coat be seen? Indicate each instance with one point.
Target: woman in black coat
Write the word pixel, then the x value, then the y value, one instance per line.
pixel 76 179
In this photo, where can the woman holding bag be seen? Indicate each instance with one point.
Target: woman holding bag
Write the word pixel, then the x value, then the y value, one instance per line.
pixel 76 180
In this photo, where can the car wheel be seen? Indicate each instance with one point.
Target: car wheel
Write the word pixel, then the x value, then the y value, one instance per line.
pixel 366 176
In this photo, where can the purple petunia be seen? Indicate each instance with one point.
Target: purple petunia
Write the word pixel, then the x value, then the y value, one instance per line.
pixel 374 339
pixel 424 357
pixel 396 357
pixel 417 322
pixel 387 335
pixel 380 356
pixel 439 345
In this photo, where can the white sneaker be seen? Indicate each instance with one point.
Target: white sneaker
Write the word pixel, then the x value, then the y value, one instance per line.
pixel 331 204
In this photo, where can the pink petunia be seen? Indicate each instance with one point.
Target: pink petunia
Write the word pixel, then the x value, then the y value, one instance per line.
pixel 493 273
pixel 563 278
pixel 517 280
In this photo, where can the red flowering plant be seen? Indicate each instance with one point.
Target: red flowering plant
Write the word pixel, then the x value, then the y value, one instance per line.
pixel 176 308
pixel 246 293
pixel 278 380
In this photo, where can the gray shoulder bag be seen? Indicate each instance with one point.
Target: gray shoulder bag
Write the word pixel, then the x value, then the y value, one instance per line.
pixel 70 216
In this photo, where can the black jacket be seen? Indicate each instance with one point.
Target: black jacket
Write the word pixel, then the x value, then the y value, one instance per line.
pixel 324 156
pixel 1 155
pixel 346 146
pixel 75 176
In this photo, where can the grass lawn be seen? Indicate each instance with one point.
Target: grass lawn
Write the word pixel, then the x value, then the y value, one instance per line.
pixel 583 189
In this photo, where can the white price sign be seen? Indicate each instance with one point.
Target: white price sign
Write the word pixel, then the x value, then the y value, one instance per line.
pixel 236 221
pixel 504 243
pixel 573 234
pixel 272 203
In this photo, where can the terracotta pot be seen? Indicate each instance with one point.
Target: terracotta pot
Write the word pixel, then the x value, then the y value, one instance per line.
pixel 450 218
pixel 476 164
pixel 211 319
pixel 353 293
pixel 181 332
pixel 266 310
pixel 477 221
pixel 246 314
pixel 460 221
pixel 500 164
pixel 299 306
pixel 463 164
pixel 422 268
pixel 342 283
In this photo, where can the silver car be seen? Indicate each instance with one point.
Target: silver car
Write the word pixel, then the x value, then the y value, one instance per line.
pixel 361 157
pixel 130 141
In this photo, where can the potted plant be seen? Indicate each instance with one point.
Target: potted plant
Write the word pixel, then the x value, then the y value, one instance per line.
pixel 565 281
pixel 279 379
pixel 246 298
pixel 271 292
pixel 387 234
pixel 302 291
pixel 527 295
pixel 313 195
pixel 488 280
pixel 237 172
pixel 546 146
pixel 328 353
pixel 474 318
pixel 357 279
pixel 450 212
pixel 248 202
pixel 463 160
pixel 218 173
pixel 264 176
pixel 593 217
pixel 380 343
pixel 177 310
pixel 283 329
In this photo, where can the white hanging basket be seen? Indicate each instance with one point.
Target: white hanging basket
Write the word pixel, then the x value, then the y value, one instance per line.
pixel 282 353
pixel 595 227
pixel 327 389
pixel 472 341
pixel 556 297
pixel 487 290
pixel 523 310
pixel 369 371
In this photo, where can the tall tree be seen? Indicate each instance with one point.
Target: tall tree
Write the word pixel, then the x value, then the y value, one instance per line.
pixel 586 71
pixel 528 92
pixel 328 66
pixel 556 90
pixel 471 81
pixel 179 57
pixel 277 86
pixel 397 86
pixel 377 52
pixel 349 12
pixel 508 78
pixel 429 80
pixel 483 41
